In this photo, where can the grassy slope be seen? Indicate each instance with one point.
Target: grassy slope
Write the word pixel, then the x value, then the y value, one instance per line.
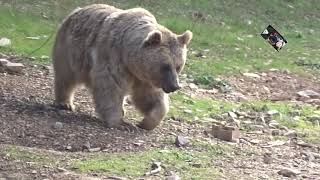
pixel 293 18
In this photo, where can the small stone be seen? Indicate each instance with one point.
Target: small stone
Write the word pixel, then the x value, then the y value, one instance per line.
pixel 3 62
pixel 94 149
pixel 86 145
pixel 173 177
pixel 34 172
pixel 267 158
pixel 288 172
pixel 309 94
pixel 273 112
pixel 5 42
pixel 226 134
pixel 255 141
pixel 232 114
pixel 274 124
pixel 291 134
pixel 68 147
pixel 256 127
pixel 197 165
pixel 14 67
pixel 58 125
pixel 251 75
pixel 61 169
pixel 188 111
pixel 275 132
pixel 181 141
pixel 193 86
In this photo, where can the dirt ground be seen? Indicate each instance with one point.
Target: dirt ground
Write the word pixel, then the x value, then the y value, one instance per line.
pixel 28 120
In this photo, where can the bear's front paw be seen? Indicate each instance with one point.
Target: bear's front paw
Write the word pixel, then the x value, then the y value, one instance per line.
pixel 147 125
pixel 65 106
pixel 125 126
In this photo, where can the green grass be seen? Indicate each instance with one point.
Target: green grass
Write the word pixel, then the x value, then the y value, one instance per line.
pixel 201 111
pixel 196 109
pixel 135 165
pixel 23 19
pixel 22 155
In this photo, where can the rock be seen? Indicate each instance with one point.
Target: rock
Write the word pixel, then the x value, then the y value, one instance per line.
pixel 156 168
pixel 304 144
pixel 251 75
pixel 273 112
pixel 97 149
pixel 193 86
pixel 69 147
pixel 275 132
pixel 58 125
pixel 256 127
pixel 14 67
pixel 291 134
pixel 288 172
pixel 274 143
pixel 274 124
pixel 173 177
pixel 267 158
pixel 34 172
pixel 188 111
pixel 197 165
pixel 232 114
pixel 226 133
pixel 255 141
pixel 5 42
pixel 308 94
pixel 3 62
pixel 181 141
pixel 86 145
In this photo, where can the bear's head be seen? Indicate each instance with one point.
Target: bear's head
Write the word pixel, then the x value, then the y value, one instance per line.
pixel 163 56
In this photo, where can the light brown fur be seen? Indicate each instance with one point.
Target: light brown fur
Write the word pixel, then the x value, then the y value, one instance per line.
pixel 116 53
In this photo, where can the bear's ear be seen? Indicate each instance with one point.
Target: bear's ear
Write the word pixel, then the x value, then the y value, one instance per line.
pixel 154 38
pixel 185 38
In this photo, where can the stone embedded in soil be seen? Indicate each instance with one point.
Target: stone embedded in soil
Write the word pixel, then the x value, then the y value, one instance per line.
pixel 275 132
pixel 181 141
pixel 267 158
pixel 5 42
pixel 289 172
pixel 291 134
pixel 226 133
pixel 308 94
pixel 251 75
pixel 86 145
pixel 232 114
pixel 68 147
pixel 58 125
pixel 273 112
pixel 173 177
pixel 14 67
pixel 97 149
pixel 3 62
pixel 197 165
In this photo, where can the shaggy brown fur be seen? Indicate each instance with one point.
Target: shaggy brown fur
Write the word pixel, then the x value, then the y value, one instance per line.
pixel 116 53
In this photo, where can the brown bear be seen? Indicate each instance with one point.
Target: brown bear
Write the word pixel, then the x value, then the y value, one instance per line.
pixel 116 53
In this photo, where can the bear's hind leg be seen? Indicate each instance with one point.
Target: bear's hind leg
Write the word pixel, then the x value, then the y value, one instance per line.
pixel 152 103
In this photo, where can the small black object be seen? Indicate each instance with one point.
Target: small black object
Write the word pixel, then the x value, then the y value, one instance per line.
pixel 274 38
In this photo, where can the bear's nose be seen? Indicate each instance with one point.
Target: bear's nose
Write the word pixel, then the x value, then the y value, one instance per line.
pixel 171 88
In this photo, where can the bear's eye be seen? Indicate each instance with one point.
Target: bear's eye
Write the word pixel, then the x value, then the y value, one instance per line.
pixel 178 68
